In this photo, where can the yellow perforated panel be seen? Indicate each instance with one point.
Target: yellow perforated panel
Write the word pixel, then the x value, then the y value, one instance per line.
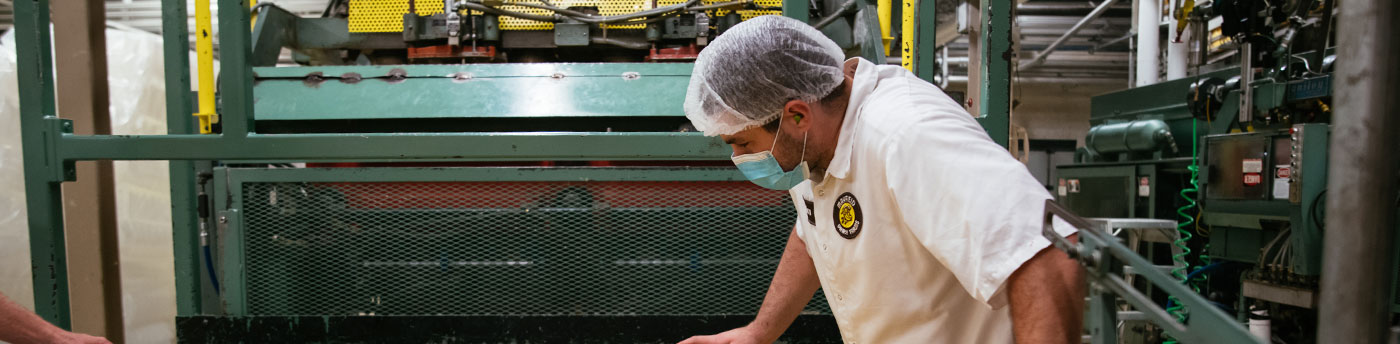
pixel 387 15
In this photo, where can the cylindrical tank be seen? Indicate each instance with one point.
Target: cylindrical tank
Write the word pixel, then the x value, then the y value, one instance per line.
pixel 1136 136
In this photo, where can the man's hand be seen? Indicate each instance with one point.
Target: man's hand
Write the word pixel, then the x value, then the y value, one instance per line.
pixel 742 335
pixel 20 326
pixel 64 337
pixel 793 285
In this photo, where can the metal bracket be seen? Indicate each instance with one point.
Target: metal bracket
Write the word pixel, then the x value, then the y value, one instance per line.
pixel 59 169
pixel 1104 258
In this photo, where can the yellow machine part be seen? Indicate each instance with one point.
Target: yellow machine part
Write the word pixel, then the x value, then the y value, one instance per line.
pixel 387 15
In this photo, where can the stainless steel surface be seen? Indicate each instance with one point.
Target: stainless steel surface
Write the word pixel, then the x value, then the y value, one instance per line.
pixel 1134 223
pixel 1354 305
pixel 1246 78
pixel 1280 294
pixel 1132 316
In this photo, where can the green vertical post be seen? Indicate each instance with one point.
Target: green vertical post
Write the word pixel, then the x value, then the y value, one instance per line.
pixel 797 9
pixel 49 261
pixel 872 46
pixel 925 40
pixel 995 58
pixel 235 74
pixel 179 120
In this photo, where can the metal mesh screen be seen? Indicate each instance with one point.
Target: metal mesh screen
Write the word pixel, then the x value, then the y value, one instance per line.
pixel 513 248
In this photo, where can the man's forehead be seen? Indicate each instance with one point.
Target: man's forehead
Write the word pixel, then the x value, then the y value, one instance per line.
pixel 745 135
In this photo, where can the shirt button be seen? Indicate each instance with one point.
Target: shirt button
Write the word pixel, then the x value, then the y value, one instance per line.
pixel 823 247
pixel 821 192
pixel 840 297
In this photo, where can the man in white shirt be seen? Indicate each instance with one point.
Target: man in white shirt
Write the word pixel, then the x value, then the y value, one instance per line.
pixel 918 228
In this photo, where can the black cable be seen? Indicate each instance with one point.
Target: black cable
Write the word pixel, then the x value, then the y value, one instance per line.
pixel 1312 211
pixel 592 19
pixel 260 6
pixel 629 44
pixel 501 12
pixel 331 6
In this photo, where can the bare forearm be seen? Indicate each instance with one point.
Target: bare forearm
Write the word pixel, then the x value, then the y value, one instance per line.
pixel 19 325
pixel 793 285
pixel 1047 299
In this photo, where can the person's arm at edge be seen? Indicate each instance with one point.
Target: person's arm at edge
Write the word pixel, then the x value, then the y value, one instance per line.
pixel 1046 296
pixel 792 287
pixel 19 325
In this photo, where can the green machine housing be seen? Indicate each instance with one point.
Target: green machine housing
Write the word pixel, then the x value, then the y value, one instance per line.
pixel 1255 232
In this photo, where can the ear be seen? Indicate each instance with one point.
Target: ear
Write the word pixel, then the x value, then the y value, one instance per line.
pixel 798 115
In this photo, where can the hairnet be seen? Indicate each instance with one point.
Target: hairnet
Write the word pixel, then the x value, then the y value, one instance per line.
pixel 744 78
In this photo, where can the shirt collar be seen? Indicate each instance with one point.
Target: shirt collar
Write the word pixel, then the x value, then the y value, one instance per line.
pixel 866 76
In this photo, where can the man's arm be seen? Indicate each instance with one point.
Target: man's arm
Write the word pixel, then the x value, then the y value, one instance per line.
pixel 1047 298
pixel 19 325
pixel 793 286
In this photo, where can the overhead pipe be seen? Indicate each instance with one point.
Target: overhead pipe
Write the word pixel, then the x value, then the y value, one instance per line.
pixel 1040 56
pixel 1176 51
pixel 1149 16
pixel 1064 8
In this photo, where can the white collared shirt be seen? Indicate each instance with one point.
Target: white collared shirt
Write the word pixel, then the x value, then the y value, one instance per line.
pixel 920 218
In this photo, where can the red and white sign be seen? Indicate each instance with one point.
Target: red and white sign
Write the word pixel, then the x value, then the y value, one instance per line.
pixel 1283 172
pixel 1144 187
pixel 1252 179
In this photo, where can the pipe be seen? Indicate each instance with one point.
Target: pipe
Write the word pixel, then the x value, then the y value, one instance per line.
pixel 838 13
pixel 1354 303
pixel 1176 51
pixel 1122 39
pixel 1040 56
pixel 1063 8
pixel 1149 13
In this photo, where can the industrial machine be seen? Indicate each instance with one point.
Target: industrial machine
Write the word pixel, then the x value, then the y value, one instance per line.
pixel 1236 156
pixel 534 246
pixel 449 171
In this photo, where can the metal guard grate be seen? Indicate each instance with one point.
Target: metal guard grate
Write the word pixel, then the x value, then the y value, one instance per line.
pixel 513 248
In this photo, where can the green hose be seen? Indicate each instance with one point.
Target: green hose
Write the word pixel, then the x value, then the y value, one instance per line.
pixel 1180 265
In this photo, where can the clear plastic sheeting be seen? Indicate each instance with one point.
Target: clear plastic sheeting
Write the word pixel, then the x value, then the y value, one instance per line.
pixel 136 75
pixel 743 78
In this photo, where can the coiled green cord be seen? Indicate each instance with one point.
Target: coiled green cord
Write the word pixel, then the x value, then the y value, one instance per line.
pixel 1181 266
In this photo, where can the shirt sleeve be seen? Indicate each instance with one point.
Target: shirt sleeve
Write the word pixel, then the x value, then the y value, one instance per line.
pixel 967 201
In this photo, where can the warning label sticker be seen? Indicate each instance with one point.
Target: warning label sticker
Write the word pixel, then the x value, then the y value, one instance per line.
pixel 1252 179
pixel 1253 165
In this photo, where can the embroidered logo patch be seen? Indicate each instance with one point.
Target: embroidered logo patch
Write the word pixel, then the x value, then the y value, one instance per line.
pixel 846 216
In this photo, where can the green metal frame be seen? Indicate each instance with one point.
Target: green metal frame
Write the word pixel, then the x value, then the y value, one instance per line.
pixel 1103 258
pixel 471 91
pixel 50 148
pixel 925 39
pixel 996 57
